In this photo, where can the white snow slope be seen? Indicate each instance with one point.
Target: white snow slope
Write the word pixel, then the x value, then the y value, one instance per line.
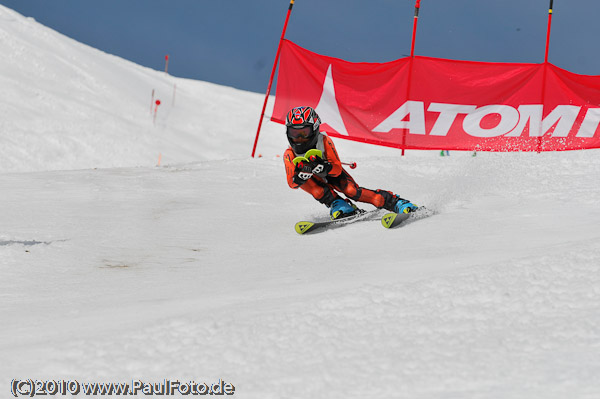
pixel 114 269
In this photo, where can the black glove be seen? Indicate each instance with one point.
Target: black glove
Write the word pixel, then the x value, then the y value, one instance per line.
pixel 319 166
pixel 302 173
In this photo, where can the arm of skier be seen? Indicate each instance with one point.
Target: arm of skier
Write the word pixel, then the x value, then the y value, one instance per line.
pixel 297 175
pixel 290 168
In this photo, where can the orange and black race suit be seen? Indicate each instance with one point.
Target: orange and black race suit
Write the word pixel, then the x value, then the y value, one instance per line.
pixel 338 179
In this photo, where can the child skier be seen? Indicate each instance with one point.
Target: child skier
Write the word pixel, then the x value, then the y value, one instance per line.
pixel 323 176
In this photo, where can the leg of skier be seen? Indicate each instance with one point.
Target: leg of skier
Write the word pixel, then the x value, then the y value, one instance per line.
pixel 378 198
pixel 325 194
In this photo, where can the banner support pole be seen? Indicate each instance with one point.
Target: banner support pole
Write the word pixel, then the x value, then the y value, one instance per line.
pixel 262 114
pixel 412 56
pixel 548 31
pixel 544 75
pixel 414 30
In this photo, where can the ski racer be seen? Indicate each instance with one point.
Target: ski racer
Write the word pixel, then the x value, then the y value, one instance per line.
pixel 323 176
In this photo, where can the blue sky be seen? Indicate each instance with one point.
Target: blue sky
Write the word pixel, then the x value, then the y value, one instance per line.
pixel 233 42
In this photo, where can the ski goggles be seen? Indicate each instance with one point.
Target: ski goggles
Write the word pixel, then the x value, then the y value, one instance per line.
pixel 302 132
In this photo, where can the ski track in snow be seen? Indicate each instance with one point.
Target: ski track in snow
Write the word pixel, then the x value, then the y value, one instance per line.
pixel 113 268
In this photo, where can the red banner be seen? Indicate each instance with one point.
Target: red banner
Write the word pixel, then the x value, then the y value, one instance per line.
pixel 432 103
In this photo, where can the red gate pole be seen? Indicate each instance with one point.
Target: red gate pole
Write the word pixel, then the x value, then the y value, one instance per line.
pixel 548 31
pixel 262 114
pixel 414 32
pixel 412 56
pixel 540 138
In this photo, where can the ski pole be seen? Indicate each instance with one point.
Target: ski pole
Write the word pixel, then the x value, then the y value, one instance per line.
pixel 351 164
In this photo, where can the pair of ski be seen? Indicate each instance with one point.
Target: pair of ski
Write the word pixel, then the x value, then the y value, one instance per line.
pixel 389 220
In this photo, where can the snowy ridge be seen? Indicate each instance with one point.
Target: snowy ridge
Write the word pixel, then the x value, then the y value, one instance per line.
pixel 113 269
pixel 66 105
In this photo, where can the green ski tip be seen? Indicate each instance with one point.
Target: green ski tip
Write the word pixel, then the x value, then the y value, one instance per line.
pixel 388 219
pixel 303 227
pixel 391 220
